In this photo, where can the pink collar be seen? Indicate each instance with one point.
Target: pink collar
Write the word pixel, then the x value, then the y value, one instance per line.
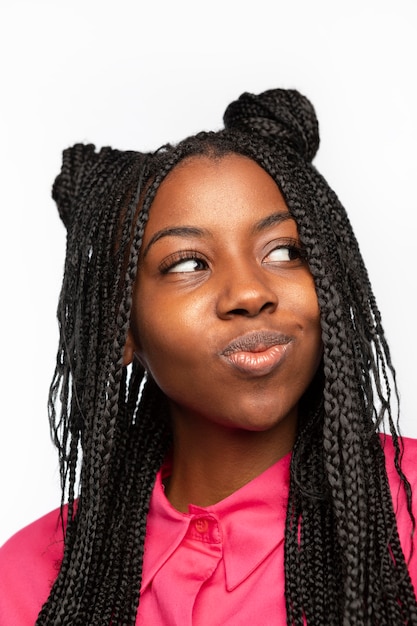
pixel 251 523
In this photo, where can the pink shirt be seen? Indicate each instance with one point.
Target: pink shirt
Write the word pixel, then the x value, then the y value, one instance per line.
pixel 203 567
pixel 211 566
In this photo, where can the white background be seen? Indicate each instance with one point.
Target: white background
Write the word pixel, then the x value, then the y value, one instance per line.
pixel 135 75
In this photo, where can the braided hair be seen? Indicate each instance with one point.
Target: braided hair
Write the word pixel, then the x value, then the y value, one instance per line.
pixel 343 561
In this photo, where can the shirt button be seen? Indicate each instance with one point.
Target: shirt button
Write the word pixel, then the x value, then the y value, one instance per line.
pixel 201 525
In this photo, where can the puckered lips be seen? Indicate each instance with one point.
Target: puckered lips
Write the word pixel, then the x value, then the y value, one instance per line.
pixel 257 353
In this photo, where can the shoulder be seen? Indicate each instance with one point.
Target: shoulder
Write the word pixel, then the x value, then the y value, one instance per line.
pixel 408 460
pixel 29 564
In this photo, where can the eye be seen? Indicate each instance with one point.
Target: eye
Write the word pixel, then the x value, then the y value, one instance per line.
pixel 182 263
pixel 283 253
pixel 188 265
pixel 288 252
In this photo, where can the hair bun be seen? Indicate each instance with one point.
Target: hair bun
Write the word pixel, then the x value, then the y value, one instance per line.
pixel 76 163
pixel 282 115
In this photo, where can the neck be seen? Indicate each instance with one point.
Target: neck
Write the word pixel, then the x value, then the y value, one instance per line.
pixel 210 461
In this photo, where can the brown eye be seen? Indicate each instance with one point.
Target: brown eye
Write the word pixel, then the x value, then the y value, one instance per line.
pixel 183 263
pixel 284 253
pixel 188 265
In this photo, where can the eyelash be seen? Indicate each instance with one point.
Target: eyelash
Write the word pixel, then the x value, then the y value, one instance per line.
pixel 192 255
pixel 183 255
pixel 293 247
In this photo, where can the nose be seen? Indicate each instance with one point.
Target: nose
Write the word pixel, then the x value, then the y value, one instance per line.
pixel 246 292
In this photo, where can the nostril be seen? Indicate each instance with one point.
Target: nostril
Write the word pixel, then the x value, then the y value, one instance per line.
pixel 246 299
pixel 249 312
pixel 239 312
pixel 267 305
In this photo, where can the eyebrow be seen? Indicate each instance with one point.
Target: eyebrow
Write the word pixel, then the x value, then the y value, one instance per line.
pixel 272 220
pixel 193 231
pixel 179 231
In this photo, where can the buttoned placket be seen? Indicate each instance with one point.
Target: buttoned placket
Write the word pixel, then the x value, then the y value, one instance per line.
pixel 191 565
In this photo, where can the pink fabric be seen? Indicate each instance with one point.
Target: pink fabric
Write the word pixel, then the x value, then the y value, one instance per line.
pixel 218 565
pixel 29 564
pixel 204 567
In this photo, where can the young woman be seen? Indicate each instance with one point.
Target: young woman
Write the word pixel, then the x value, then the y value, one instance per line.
pixel 221 381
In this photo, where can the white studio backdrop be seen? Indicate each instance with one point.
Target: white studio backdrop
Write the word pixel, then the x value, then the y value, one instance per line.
pixel 135 75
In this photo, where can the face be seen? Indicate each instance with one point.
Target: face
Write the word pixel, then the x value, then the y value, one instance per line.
pixel 225 315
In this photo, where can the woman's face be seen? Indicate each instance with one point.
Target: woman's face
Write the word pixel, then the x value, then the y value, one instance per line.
pixel 225 314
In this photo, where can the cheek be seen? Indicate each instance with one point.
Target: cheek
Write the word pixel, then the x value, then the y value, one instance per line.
pixel 310 320
pixel 314 314
pixel 317 342
pixel 162 337
pixel 313 318
pixel 305 303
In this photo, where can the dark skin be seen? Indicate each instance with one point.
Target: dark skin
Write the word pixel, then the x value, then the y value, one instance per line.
pixel 226 320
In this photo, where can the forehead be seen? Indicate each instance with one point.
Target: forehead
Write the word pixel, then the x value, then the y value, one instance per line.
pixel 217 190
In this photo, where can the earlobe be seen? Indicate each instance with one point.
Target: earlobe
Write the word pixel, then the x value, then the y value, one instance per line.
pixel 130 348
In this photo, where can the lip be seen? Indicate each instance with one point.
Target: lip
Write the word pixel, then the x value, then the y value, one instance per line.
pixel 257 353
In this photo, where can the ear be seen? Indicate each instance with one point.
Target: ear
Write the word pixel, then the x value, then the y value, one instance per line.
pixel 130 348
